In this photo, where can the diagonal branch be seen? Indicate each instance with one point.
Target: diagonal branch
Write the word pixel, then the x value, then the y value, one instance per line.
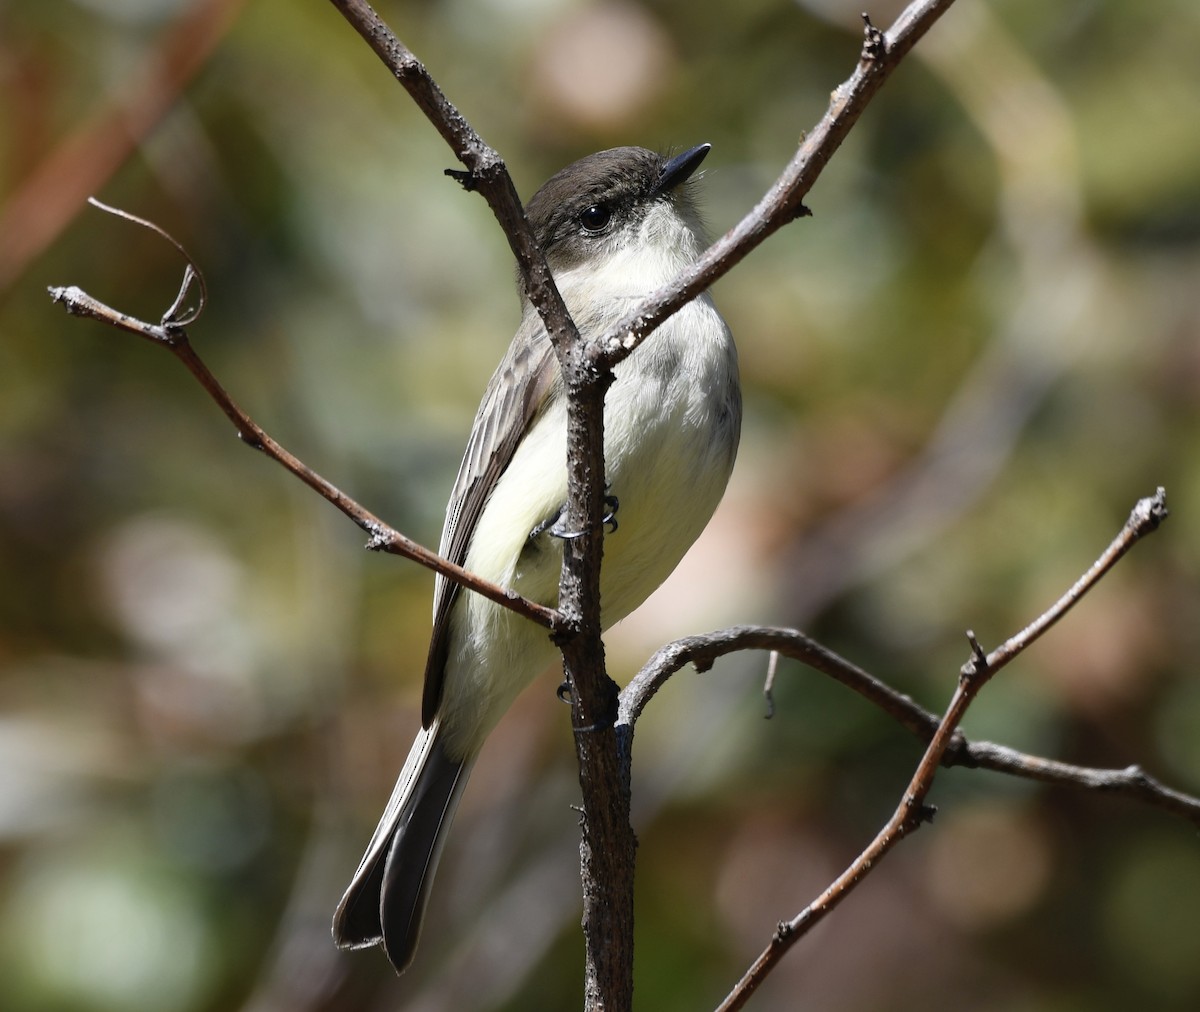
pixel 783 203
pixel 1146 517
pixel 912 812
pixel 608 843
pixel 170 333
pixel 486 171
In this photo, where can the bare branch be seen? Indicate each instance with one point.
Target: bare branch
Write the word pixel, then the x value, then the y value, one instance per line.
pixel 1145 518
pixel 1132 782
pixel 175 316
pixel 703 650
pixel 173 337
pixel 608 844
pixel 912 811
pixel 881 53
pixel 486 171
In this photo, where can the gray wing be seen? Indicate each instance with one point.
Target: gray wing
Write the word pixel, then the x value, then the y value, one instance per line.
pixel 516 392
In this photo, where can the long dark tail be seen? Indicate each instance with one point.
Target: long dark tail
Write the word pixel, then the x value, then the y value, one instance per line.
pixel 386 900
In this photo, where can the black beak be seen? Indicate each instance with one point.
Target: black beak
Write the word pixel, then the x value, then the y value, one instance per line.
pixel 679 168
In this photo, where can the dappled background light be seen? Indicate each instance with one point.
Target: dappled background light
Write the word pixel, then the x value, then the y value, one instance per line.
pixel 960 374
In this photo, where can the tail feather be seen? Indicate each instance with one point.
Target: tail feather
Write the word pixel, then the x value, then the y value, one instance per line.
pixel 385 902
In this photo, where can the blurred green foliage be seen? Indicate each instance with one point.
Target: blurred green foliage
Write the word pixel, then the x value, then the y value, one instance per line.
pixel 960 374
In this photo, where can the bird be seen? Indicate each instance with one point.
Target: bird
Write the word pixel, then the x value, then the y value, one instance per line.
pixel 613 227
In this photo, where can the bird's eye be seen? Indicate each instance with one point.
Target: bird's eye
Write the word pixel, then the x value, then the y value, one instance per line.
pixel 595 218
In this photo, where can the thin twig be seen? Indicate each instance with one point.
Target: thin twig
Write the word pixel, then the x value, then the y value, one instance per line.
pixel 1132 782
pixel 769 683
pixel 1144 519
pixel 173 337
pixel 784 202
pixel 175 316
pixel 486 171
pixel 703 650
pixel 912 812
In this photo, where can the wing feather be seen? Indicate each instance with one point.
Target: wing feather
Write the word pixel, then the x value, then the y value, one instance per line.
pixel 517 391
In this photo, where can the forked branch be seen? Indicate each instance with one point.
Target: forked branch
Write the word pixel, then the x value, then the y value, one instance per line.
pixel 913 811
pixel 604 755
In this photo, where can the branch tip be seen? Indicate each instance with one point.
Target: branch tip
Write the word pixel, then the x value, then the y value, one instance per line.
pixel 978 663
pixel 1149 513
pixel 69 295
pixel 874 41
pixel 769 684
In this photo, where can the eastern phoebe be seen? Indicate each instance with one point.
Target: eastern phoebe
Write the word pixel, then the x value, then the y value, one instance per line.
pixel 614 227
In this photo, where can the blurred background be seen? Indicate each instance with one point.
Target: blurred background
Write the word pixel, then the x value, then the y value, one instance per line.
pixel 959 376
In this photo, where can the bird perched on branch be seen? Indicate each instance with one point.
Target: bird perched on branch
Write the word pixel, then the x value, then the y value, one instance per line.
pixel 614 227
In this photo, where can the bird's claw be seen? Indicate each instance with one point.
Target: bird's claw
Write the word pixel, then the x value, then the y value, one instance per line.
pixel 554 524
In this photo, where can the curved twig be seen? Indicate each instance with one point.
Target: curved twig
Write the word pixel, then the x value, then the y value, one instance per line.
pixel 703 650
pixel 912 811
pixel 172 335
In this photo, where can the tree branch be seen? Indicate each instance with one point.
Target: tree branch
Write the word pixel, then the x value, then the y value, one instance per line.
pixel 912 811
pixel 486 171
pixel 171 334
pixel 607 842
pixel 607 847
pixel 702 651
pixel 784 202
pixel 603 720
pixel 1146 517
